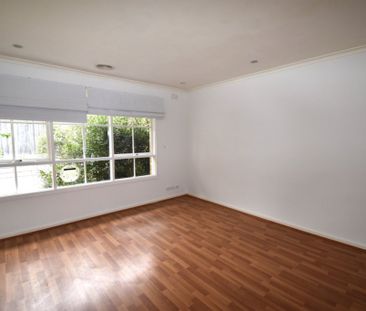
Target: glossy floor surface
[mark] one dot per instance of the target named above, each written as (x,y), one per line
(180,254)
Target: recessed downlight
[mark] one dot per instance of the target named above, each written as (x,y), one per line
(17,46)
(254,61)
(104,67)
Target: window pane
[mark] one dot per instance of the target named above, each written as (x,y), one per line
(30,141)
(6,150)
(97,171)
(68,141)
(130,121)
(70,174)
(122,140)
(96,119)
(97,141)
(122,121)
(7,181)
(34,178)
(142,139)
(142,122)
(123,168)
(143,166)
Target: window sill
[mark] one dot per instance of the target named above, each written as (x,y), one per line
(83,187)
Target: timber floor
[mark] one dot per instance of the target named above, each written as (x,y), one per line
(179,254)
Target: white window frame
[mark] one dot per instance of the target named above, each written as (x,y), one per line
(14,163)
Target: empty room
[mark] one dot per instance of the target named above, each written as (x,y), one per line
(182,155)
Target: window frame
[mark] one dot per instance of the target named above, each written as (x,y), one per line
(134,155)
(53,161)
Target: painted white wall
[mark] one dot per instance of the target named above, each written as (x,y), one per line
(289,145)
(38,211)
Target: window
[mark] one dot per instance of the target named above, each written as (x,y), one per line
(37,156)
(132,141)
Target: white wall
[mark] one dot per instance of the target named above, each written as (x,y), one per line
(288,145)
(39,211)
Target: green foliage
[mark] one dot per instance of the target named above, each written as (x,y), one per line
(142,166)
(123,168)
(142,139)
(97,171)
(122,137)
(5,135)
(97,141)
(127,121)
(46,177)
(95,119)
(69,145)
(68,140)
(42,145)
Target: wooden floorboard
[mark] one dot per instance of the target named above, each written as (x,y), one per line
(179,254)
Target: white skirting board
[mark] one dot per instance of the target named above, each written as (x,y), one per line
(275,220)
(227,205)
(92,215)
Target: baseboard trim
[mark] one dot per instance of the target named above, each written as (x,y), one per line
(221,203)
(284,223)
(88,216)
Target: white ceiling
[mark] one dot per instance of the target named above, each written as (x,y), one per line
(169,41)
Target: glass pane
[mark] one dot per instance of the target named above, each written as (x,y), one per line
(130,121)
(122,121)
(123,168)
(142,122)
(7,181)
(122,140)
(70,174)
(97,171)
(68,141)
(34,178)
(143,166)
(96,119)
(142,139)
(6,150)
(97,141)
(30,141)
